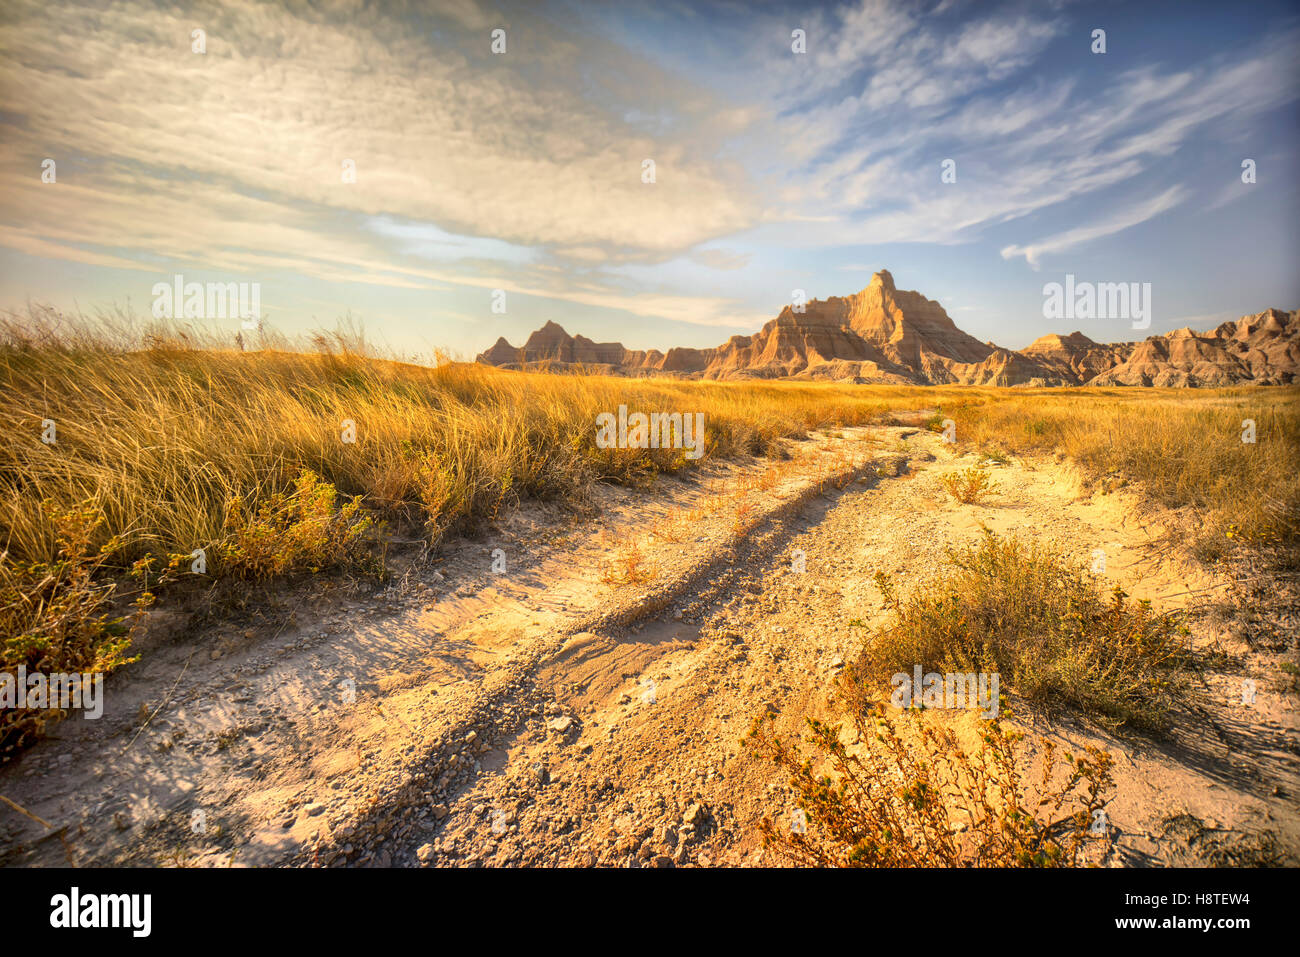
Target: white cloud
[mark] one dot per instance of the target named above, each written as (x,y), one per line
(281,98)
(1125,218)
(721,259)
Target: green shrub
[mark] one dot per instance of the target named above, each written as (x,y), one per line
(297,530)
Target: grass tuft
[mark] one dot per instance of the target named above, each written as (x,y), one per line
(1045,626)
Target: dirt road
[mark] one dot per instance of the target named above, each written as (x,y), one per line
(571,689)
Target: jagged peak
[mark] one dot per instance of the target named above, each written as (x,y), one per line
(885,331)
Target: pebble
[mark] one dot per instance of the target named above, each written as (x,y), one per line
(695,815)
(560,725)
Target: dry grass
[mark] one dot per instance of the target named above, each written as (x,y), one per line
(1044,625)
(162,435)
(1183,447)
(163,441)
(908,794)
(969,486)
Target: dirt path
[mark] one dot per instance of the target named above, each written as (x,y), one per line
(545,714)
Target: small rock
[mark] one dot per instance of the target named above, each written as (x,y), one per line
(560,725)
(696,814)
(425,853)
(440,811)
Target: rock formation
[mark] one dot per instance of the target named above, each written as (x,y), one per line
(887,335)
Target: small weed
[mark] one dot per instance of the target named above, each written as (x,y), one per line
(922,800)
(58,617)
(296,530)
(969,486)
(628,567)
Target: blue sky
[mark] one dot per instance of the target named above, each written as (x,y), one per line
(775,171)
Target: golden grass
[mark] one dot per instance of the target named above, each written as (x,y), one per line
(1021,610)
(1183,447)
(165,441)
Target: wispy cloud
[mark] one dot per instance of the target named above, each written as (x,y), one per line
(1121,220)
(282,97)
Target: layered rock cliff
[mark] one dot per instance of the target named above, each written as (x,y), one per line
(887,335)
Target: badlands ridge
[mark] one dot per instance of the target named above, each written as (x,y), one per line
(887,335)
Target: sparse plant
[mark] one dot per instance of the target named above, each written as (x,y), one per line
(1042,622)
(970,485)
(920,799)
(628,567)
(673,527)
(741,521)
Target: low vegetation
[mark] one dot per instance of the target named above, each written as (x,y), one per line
(58,617)
(302,528)
(165,434)
(970,485)
(1044,625)
(1182,448)
(907,793)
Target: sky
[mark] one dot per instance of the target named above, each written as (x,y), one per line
(523,170)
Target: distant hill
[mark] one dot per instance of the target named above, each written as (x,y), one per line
(887,335)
